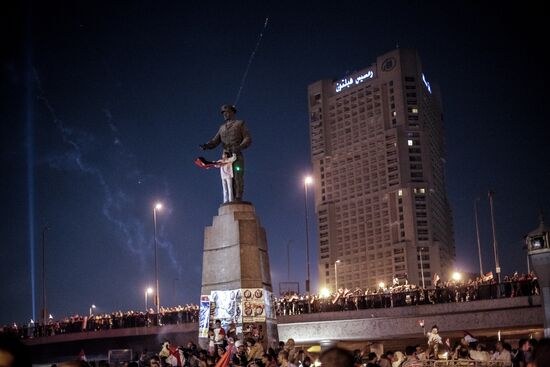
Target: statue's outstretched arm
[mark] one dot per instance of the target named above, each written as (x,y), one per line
(214,142)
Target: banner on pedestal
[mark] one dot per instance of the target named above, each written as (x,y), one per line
(204,317)
(238,306)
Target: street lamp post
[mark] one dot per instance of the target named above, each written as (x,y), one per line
(288,258)
(149,290)
(307,181)
(478,240)
(495,245)
(422,268)
(336,275)
(158,206)
(91,308)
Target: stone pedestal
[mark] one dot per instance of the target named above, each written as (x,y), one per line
(235,273)
(538,249)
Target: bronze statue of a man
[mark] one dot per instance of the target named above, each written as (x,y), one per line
(234,137)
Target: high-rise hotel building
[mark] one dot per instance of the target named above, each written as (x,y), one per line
(378,154)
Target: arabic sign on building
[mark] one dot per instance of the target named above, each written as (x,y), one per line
(348,82)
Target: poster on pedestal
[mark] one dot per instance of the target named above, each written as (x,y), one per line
(254,304)
(204,317)
(226,307)
(246,308)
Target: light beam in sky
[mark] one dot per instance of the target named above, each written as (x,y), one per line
(29,108)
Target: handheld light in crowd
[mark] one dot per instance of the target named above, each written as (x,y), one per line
(381,285)
(456,276)
(325,293)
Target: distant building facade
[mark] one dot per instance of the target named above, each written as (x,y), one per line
(378,155)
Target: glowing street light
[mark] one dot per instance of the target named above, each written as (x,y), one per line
(307,181)
(91,308)
(324,293)
(336,274)
(149,290)
(456,276)
(157,207)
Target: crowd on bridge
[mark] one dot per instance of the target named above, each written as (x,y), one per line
(406,294)
(116,320)
(225,348)
(397,295)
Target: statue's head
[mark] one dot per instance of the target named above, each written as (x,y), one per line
(228,111)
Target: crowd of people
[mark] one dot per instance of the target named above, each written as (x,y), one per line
(408,294)
(225,348)
(115,320)
(344,299)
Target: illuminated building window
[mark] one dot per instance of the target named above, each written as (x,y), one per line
(400,192)
(415,110)
(410,142)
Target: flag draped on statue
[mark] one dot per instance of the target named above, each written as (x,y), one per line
(204,163)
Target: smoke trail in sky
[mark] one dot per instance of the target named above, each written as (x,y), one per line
(116,201)
(250,59)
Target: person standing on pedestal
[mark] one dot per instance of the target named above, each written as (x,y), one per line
(234,137)
(226,172)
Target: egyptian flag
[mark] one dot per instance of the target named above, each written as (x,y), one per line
(225,359)
(203,163)
(174,358)
(469,337)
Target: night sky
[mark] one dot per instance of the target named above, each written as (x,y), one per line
(104,104)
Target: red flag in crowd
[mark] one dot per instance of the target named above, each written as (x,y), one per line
(175,354)
(224,360)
